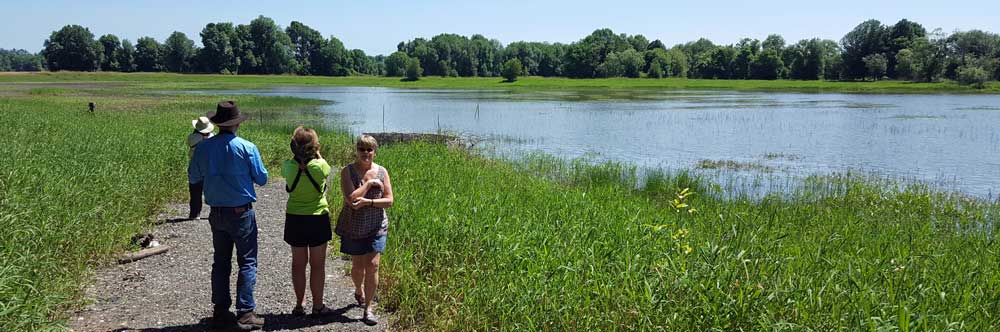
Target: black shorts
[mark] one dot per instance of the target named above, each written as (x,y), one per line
(307,230)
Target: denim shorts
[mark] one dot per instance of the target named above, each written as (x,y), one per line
(362,246)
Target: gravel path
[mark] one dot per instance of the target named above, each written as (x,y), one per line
(171,291)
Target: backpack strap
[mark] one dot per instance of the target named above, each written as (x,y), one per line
(315,185)
(294,183)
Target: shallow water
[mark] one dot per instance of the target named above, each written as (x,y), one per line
(750,141)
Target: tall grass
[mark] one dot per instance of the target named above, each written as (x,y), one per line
(75,186)
(478,244)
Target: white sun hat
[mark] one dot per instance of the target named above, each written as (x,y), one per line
(202,125)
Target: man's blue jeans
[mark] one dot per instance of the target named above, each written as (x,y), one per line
(234,226)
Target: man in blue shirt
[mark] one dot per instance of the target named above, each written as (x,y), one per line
(229,166)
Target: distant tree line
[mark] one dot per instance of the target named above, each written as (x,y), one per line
(871,51)
(19,60)
(260,47)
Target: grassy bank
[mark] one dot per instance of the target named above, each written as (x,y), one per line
(191,81)
(75,186)
(546,245)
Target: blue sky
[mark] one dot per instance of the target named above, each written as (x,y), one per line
(377,26)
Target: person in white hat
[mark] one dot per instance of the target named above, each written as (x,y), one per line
(202,131)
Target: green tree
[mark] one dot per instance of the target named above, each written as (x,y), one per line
(901,36)
(866,39)
(413,69)
(126,61)
(656,44)
(148,55)
(929,58)
(395,64)
(307,44)
(626,63)
(767,66)
(906,66)
(511,70)
(19,60)
(333,59)
(72,48)
(807,59)
(659,63)
(585,56)
(639,42)
(747,50)
(178,50)
(876,65)
(679,65)
(112,49)
(833,61)
(265,48)
(974,76)
(218,54)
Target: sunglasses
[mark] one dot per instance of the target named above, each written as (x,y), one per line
(361,149)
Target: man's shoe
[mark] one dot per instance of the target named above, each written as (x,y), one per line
(250,321)
(222,318)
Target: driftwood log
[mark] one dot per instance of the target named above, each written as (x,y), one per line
(134,256)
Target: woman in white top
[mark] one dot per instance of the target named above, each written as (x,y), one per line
(202,131)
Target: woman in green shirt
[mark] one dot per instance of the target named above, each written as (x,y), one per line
(307,218)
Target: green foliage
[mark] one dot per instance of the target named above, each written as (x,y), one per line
(413,69)
(218,54)
(72,48)
(19,60)
(807,60)
(178,51)
(269,48)
(767,66)
(148,55)
(308,48)
(112,50)
(866,39)
(395,64)
(876,65)
(627,63)
(511,70)
(906,66)
(902,35)
(126,60)
(973,75)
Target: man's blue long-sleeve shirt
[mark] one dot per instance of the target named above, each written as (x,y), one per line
(229,166)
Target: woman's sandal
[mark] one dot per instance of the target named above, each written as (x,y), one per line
(360,299)
(298,311)
(323,311)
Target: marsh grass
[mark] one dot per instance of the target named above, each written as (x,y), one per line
(479,244)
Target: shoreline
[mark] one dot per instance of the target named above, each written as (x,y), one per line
(177,81)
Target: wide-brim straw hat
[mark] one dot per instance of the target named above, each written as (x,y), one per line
(227,114)
(202,125)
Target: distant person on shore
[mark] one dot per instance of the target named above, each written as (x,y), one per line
(307,218)
(367,193)
(229,167)
(202,131)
